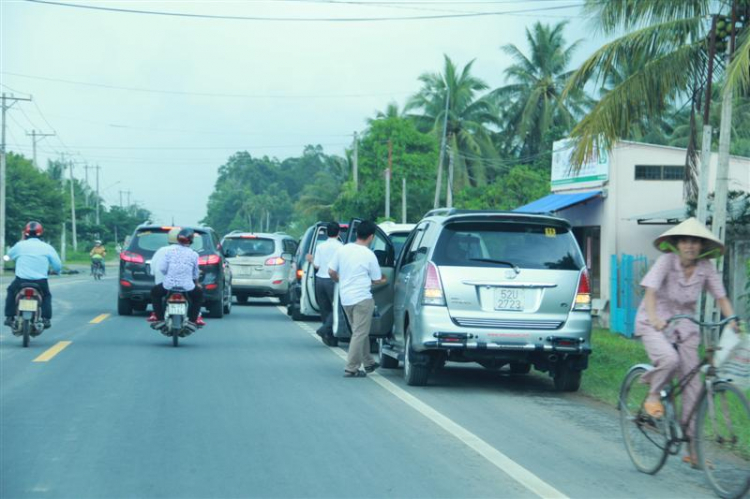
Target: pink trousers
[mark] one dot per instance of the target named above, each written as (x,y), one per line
(670,362)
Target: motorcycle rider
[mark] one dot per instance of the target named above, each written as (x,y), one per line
(33,259)
(180,269)
(97,254)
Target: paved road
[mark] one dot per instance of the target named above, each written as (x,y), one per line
(254,406)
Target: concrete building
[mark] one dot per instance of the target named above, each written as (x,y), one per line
(619,203)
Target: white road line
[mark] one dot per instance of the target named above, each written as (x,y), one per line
(502,462)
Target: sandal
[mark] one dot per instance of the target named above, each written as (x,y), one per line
(356,374)
(693,462)
(370,369)
(654,408)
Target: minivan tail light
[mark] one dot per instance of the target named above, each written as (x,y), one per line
(583,295)
(209,260)
(129,256)
(276,260)
(433,288)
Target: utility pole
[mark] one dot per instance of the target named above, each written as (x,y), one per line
(355,164)
(442,150)
(73,208)
(128,193)
(388,181)
(121,199)
(702,210)
(97,194)
(36,137)
(449,187)
(5,107)
(403,199)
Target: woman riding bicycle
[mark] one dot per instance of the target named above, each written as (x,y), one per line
(97,254)
(674,286)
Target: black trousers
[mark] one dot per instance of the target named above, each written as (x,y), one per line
(324,294)
(194,307)
(15,287)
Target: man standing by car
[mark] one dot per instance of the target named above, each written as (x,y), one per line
(323,283)
(356,269)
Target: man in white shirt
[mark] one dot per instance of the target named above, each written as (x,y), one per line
(324,285)
(356,269)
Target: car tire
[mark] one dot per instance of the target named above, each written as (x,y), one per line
(296,314)
(242,299)
(330,340)
(416,364)
(520,368)
(228,303)
(567,379)
(386,361)
(140,306)
(124,306)
(284,299)
(216,309)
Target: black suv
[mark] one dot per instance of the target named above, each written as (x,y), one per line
(136,280)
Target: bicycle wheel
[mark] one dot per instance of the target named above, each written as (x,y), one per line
(723,439)
(646,439)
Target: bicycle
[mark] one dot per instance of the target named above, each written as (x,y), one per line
(722,434)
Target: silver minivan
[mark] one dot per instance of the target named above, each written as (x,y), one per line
(496,288)
(260,263)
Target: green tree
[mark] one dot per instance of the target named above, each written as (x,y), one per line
(533,103)
(520,185)
(469,118)
(414,155)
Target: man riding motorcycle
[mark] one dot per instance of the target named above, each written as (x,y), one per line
(33,259)
(97,254)
(180,268)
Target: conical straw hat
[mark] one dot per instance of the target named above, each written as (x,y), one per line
(712,246)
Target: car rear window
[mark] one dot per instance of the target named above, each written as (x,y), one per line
(150,240)
(398,239)
(465,244)
(238,246)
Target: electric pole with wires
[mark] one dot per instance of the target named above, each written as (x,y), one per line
(35,138)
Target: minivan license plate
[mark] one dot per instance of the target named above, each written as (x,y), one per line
(176,309)
(509,298)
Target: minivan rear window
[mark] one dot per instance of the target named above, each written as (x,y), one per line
(237,246)
(150,240)
(467,244)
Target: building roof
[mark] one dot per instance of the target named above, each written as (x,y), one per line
(556,202)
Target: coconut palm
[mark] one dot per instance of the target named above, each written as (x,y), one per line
(532,101)
(468,135)
(672,38)
(391,111)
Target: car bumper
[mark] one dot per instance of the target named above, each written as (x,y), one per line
(434,329)
(264,287)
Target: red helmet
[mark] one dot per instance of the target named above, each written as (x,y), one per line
(33,229)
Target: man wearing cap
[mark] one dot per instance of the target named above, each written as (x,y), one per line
(673,286)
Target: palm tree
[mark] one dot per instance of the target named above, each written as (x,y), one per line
(391,111)
(468,117)
(673,39)
(532,103)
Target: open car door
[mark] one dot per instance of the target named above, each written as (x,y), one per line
(308,300)
(382,294)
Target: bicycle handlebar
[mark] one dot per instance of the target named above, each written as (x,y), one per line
(692,319)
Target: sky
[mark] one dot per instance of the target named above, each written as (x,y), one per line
(160,102)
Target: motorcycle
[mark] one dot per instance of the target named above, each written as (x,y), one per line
(175,316)
(27,321)
(97,267)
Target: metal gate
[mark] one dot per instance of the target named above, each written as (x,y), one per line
(626,292)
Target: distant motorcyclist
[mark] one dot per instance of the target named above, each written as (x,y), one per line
(97,254)
(180,269)
(33,259)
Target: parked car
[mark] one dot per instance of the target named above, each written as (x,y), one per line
(397,233)
(136,281)
(260,264)
(301,302)
(495,288)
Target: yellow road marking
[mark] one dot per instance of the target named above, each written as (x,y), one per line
(98,319)
(50,354)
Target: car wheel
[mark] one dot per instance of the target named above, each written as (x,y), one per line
(296,314)
(216,309)
(567,379)
(416,364)
(284,299)
(140,306)
(242,299)
(386,361)
(330,340)
(124,306)
(520,368)
(228,300)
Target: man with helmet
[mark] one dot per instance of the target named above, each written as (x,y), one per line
(97,254)
(179,265)
(33,259)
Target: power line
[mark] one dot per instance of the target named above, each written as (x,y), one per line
(304,19)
